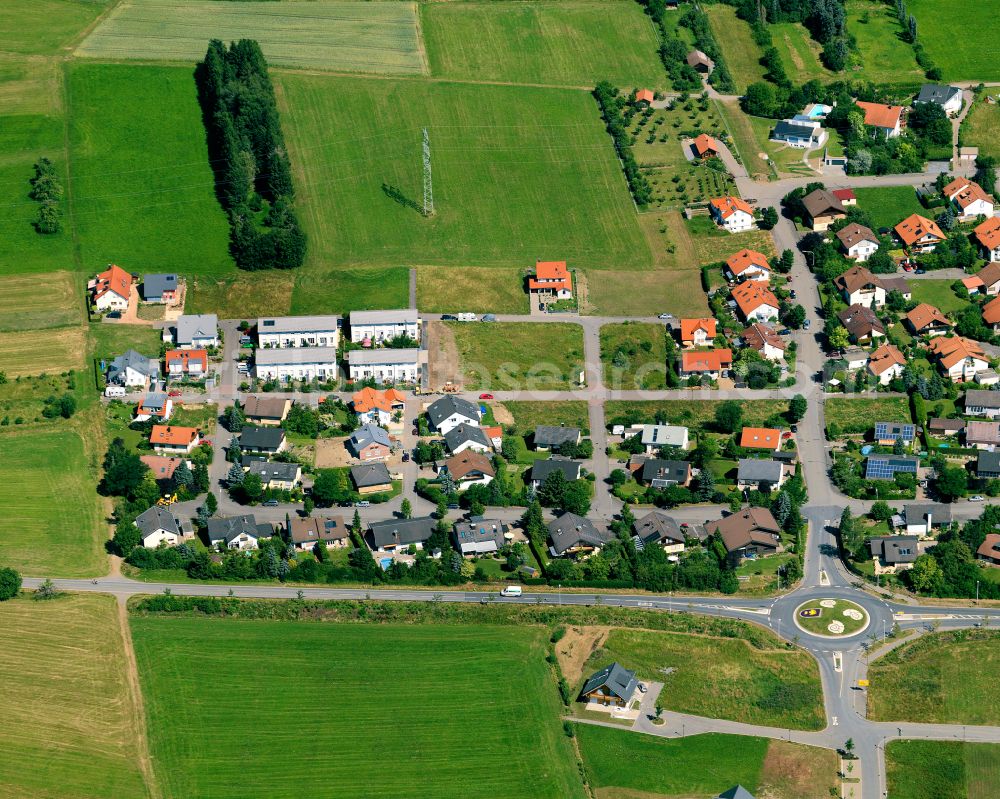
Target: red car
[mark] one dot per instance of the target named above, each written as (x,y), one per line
(174,394)
(485,396)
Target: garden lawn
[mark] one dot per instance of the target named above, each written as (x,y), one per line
(109,341)
(889,205)
(44,26)
(142,187)
(518,355)
(528,415)
(774,687)
(634,356)
(982,128)
(860,415)
(576,43)
(645,293)
(338,36)
(959,37)
(24,307)
(885,57)
(744,140)
(449,289)
(741,52)
(699,414)
(35,352)
(623,764)
(53,518)
(939,675)
(215,738)
(519,173)
(69,725)
(250,294)
(933,769)
(939,294)
(800,52)
(713,244)
(785,159)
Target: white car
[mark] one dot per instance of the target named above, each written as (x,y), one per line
(976,498)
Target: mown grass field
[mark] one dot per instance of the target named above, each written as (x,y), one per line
(959,37)
(889,205)
(337,35)
(528,415)
(33,302)
(645,293)
(744,140)
(641,351)
(981,128)
(621,765)
(740,50)
(69,724)
(939,294)
(108,341)
(713,244)
(359,730)
(776,688)
(576,43)
(932,769)
(940,675)
(694,413)
(44,26)
(447,289)
(519,174)
(799,52)
(53,520)
(142,187)
(36,352)
(343,290)
(860,415)
(518,355)
(884,56)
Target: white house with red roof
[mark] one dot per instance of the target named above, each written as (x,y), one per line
(969,198)
(755,301)
(748,265)
(111,289)
(886,119)
(732,213)
(706,363)
(552,281)
(987,235)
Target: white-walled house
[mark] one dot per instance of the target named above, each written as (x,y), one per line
(755,301)
(296,363)
(860,287)
(886,364)
(194,331)
(987,235)
(969,198)
(858,242)
(732,213)
(385,365)
(158,526)
(298,331)
(379,326)
(448,413)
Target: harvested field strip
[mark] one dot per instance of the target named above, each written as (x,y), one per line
(24,305)
(38,352)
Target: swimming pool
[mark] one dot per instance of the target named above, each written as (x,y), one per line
(385,563)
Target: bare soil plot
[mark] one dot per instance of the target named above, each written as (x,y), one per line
(575,649)
(331,453)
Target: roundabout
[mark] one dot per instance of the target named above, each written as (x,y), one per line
(831,618)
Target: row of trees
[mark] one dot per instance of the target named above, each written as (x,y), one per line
(47,191)
(611,103)
(247,150)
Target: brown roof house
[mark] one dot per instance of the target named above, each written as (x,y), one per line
(699,61)
(765,340)
(469,468)
(822,209)
(886,364)
(748,534)
(982,435)
(859,243)
(268,411)
(926,320)
(860,287)
(862,323)
(329,530)
(989,550)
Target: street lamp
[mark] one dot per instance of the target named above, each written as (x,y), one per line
(977,592)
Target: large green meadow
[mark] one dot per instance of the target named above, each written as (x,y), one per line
(935,769)
(960,37)
(574,43)
(249,709)
(518,174)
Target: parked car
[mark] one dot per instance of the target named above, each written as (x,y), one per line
(919,271)
(270,503)
(489,317)
(364,503)
(976,498)
(174,393)
(785,332)
(807,324)
(345,504)
(114,315)
(406,457)
(795,428)
(666,316)
(485,396)
(452,506)
(449,317)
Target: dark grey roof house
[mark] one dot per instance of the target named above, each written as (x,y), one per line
(275,471)
(981,402)
(939,95)
(238,532)
(765,474)
(466,436)
(479,534)
(157,518)
(391,533)
(988,464)
(154,286)
(926,515)
(452,408)
(571,534)
(542,469)
(736,792)
(554,436)
(894,549)
(611,685)
(662,473)
(657,527)
(371,475)
(262,439)
(132,361)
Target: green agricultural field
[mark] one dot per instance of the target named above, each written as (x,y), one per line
(519,174)
(772,687)
(939,294)
(518,355)
(959,37)
(933,769)
(736,40)
(634,356)
(889,205)
(23,306)
(24,399)
(982,128)
(338,36)
(53,519)
(621,763)
(36,352)
(445,289)
(249,294)
(215,738)
(691,413)
(942,671)
(142,186)
(884,56)
(344,290)
(44,26)
(800,52)
(860,415)
(576,43)
(528,415)
(69,723)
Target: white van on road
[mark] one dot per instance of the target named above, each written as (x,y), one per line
(512,590)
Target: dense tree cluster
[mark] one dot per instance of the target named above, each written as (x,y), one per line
(47,191)
(612,103)
(696,20)
(247,149)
